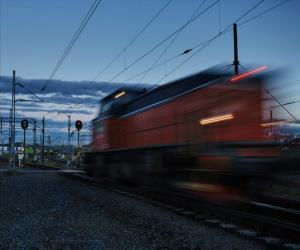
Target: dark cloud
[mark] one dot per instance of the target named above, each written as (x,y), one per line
(60,87)
(59,98)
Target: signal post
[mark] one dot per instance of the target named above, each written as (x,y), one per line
(78,125)
(24,125)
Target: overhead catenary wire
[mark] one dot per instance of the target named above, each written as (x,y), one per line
(219,16)
(264,12)
(171,42)
(154,67)
(73,41)
(163,41)
(202,45)
(276,99)
(228,29)
(131,42)
(285,85)
(273,7)
(281,104)
(75,37)
(31,92)
(147,25)
(216,36)
(68,48)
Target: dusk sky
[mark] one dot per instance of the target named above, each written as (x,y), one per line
(35,34)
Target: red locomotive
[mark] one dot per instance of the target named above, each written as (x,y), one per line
(180,133)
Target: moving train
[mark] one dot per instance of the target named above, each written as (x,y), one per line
(204,132)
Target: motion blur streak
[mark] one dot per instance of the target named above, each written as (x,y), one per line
(215,119)
(249,73)
(269,124)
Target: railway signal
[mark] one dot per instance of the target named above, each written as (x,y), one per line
(24,125)
(78,126)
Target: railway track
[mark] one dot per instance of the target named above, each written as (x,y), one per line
(273,224)
(270,222)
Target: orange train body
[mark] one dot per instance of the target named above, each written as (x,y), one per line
(178,121)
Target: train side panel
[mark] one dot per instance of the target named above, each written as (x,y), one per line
(179,121)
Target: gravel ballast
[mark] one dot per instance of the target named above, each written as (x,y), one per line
(45,210)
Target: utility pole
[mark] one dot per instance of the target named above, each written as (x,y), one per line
(49,144)
(43,139)
(1,134)
(34,137)
(24,125)
(78,139)
(69,129)
(10,137)
(13,134)
(271,121)
(24,145)
(236,62)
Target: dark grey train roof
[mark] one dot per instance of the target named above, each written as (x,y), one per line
(168,91)
(137,88)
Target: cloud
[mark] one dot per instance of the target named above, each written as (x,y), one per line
(76,98)
(60,87)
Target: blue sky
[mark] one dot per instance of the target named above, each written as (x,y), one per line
(35,33)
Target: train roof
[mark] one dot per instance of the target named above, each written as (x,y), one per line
(136,88)
(169,90)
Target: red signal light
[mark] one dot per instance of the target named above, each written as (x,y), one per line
(78,124)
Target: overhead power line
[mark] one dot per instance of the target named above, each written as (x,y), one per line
(163,41)
(264,12)
(73,41)
(181,28)
(133,39)
(31,92)
(276,100)
(147,25)
(206,43)
(285,85)
(171,42)
(202,46)
(227,30)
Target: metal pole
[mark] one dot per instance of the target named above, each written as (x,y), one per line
(14,119)
(49,142)
(69,129)
(236,56)
(271,121)
(1,135)
(43,140)
(34,137)
(24,144)
(10,137)
(78,139)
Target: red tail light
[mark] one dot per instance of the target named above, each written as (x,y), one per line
(246,74)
